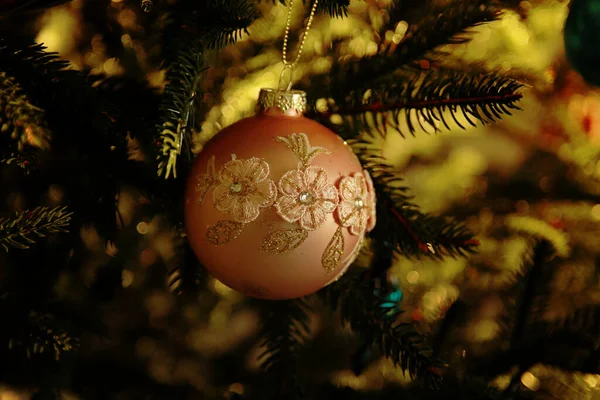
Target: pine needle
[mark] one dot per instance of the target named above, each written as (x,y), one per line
(178,108)
(22,125)
(43,336)
(20,230)
(426,100)
(285,326)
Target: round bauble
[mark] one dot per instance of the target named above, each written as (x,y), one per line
(581,33)
(277,205)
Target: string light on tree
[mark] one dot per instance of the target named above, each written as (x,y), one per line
(277,205)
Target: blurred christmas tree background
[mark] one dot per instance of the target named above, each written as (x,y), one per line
(535,174)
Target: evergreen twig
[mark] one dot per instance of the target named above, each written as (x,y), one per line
(358,305)
(448,26)
(20,230)
(426,99)
(22,122)
(178,108)
(400,221)
(43,335)
(186,275)
(82,125)
(234,18)
(285,326)
(529,285)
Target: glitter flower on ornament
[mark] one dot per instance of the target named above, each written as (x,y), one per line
(356,208)
(305,196)
(243,188)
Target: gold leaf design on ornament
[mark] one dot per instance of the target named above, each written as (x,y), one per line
(283,240)
(300,146)
(348,261)
(205,181)
(223,232)
(333,252)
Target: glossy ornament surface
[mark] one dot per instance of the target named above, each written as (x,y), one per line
(277,205)
(581,32)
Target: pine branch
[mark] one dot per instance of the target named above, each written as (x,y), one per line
(285,325)
(585,321)
(82,124)
(563,349)
(400,222)
(23,127)
(21,230)
(451,389)
(178,108)
(187,275)
(426,100)
(358,303)
(451,25)
(43,335)
(136,103)
(210,24)
(529,285)
(223,22)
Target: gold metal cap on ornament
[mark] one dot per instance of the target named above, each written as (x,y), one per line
(286,102)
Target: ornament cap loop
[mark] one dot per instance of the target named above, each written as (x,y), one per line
(282,102)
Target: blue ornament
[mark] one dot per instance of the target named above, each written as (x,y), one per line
(390,300)
(581,35)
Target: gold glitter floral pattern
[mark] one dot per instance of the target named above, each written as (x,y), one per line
(207,180)
(306,196)
(223,232)
(243,189)
(283,240)
(355,207)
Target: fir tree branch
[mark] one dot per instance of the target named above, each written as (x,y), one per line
(400,221)
(178,108)
(429,98)
(531,280)
(451,389)
(21,230)
(285,325)
(83,128)
(450,25)
(136,103)
(22,122)
(355,298)
(209,24)
(43,335)
(220,23)
(186,276)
